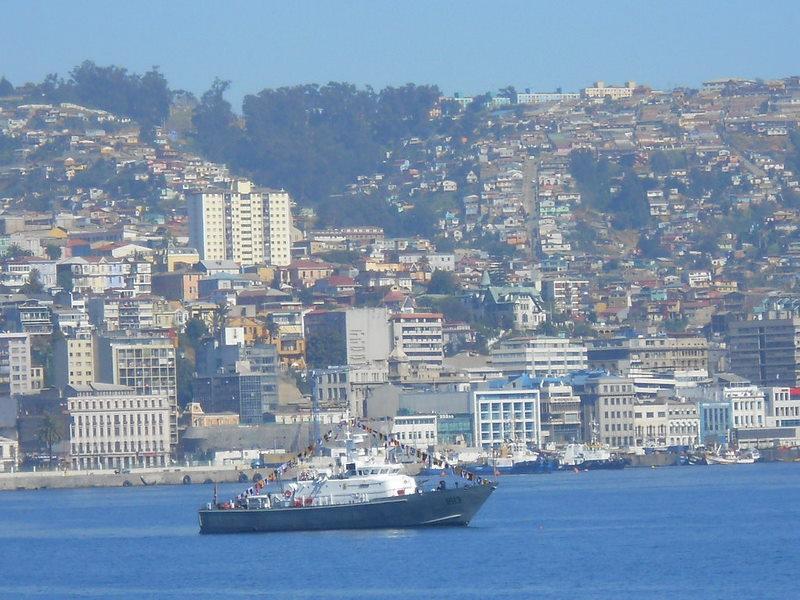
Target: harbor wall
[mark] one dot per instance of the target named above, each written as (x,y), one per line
(89,479)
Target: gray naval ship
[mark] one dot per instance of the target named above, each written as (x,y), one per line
(367,494)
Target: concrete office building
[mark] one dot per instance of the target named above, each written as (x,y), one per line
(368,335)
(766,350)
(507,413)
(418,431)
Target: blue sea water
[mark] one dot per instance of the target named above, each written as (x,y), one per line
(679,532)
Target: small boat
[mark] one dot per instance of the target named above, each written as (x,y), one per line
(589,457)
(732,457)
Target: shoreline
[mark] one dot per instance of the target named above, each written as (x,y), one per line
(43,480)
(135,478)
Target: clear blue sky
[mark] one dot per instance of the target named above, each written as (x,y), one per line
(465,45)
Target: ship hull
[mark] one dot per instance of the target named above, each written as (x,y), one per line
(451,507)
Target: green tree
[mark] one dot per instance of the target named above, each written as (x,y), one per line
(6,89)
(196,330)
(444,282)
(48,435)
(17,251)
(52,251)
(325,346)
(64,279)
(33,285)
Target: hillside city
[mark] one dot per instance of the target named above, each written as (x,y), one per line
(616,264)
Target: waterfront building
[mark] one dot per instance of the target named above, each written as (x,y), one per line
(538,356)
(9,455)
(561,411)
(683,427)
(15,364)
(782,406)
(240,379)
(650,424)
(418,431)
(250,395)
(115,427)
(247,225)
(194,416)
(716,422)
(607,403)
(507,412)
(746,400)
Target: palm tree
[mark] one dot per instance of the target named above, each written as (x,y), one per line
(220,317)
(49,435)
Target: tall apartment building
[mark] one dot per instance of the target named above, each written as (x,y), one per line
(15,364)
(73,359)
(114,427)
(766,350)
(419,337)
(242,224)
(143,362)
(277,228)
(538,356)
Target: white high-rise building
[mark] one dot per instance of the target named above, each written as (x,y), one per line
(277,228)
(15,363)
(242,224)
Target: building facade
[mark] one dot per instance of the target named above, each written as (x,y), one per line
(15,363)
(115,427)
(73,359)
(419,337)
(506,414)
(538,356)
(247,225)
(143,362)
(766,350)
